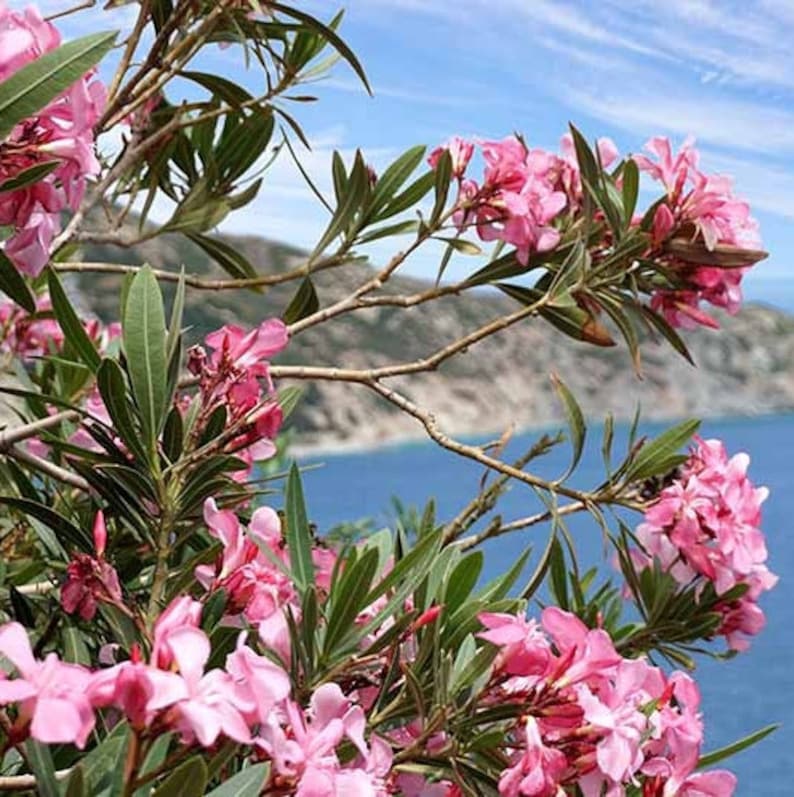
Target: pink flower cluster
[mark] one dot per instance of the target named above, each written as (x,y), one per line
(61,132)
(232,376)
(257,584)
(248,701)
(591,717)
(522,191)
(705,528)
(25,335)
(703,207)
(28,335)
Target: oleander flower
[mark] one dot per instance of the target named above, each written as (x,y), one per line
(61,133)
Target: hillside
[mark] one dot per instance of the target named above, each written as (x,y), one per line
(746,369)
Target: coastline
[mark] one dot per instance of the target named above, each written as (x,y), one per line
(328,446)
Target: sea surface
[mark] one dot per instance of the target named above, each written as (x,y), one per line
(739,696)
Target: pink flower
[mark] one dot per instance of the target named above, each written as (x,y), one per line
(91,580)
(706,525)
(584,652)
(182,612)
(460,152)
(61,132)
(52,695)
(518,199)
(246,350)
(307,752)
(524,647)
(259,681)
(204,705)
(697,206)
(231,377)
(537,771)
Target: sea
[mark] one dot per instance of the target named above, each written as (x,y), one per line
(739,696)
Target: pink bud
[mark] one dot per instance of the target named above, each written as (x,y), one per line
(100,534)
(427,617)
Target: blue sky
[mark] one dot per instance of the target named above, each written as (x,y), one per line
(722,71)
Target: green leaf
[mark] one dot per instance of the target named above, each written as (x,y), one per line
(247,783)
(13,285)
(631,189)
(588,166)
(298,534)
(461,245)
(572,321)
(347,597)
(100,764)
(399,228)
(288,398)
(462,581)
(409,197)
(40,760)
(576,424)
(227,257)
(154,758)
(339,174)
(21,608)
(70,323)
(714,757)
(177,311)
(654,457)
(329,35)
(225,89)
(355,193)
(64,528)
(113,389)
(29,176)
(393,179)
(75,786)
(672,337)
(35,85)
(144,337)
(442,181)
(187,780)
(303,303)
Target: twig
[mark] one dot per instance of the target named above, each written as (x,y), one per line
(26,782)
(191,280)
(17,434)
(47,468)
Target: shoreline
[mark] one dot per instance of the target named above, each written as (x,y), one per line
(333,448)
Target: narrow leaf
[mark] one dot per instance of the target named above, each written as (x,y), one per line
(298,534)
(248,783)
(70,323)
(13,285)
(187,780)
(36,84)
(144,337)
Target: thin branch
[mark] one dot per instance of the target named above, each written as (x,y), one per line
(18,433)
(26,782)
(497,528)
(73,10)
(47,468)
(193,280)
(427,419)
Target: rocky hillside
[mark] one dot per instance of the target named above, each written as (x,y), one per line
(747,368)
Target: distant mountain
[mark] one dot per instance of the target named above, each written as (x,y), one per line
(747,368)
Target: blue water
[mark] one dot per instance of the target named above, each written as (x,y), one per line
(739,696)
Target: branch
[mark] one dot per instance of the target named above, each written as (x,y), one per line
(191,280)
(26,782)
(497,528)
(18,433)
(48,468)
(471,452)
